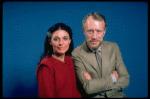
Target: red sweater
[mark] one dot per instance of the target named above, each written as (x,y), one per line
(57,79)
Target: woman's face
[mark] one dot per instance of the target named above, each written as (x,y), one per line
(60,42)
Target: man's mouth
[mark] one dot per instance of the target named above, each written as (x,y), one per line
(94,41)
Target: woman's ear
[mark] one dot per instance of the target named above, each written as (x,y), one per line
(69,41)
(50,42)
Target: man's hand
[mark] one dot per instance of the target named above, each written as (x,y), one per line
(115,74)
(87,76)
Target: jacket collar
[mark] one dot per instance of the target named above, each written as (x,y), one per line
(90,57)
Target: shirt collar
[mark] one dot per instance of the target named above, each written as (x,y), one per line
(100,48)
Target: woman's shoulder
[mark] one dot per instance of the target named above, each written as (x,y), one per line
(46,61)
(44,65)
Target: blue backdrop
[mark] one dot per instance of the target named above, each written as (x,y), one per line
(24,29)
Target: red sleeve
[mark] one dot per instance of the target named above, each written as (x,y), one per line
(46,82)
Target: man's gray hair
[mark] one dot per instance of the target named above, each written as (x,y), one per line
(96,16)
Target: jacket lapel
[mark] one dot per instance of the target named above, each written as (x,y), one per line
(90,58)
(105,59)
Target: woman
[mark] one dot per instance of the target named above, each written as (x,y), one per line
(55,73)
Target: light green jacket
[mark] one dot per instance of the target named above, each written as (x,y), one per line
(85,61)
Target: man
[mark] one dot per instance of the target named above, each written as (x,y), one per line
(98,64)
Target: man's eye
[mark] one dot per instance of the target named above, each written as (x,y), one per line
(90,31)
(99,31)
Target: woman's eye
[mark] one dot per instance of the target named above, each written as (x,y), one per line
(66,38)
(56,39)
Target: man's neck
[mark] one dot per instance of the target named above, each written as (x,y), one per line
(91,49)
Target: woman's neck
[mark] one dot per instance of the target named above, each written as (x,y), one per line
(59,56)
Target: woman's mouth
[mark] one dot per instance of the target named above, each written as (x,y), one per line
(60,48)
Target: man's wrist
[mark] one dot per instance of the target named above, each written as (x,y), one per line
(113,78)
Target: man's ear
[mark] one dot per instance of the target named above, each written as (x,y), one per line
(83,30)
(104,32)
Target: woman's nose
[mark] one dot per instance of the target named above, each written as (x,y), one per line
(61,42)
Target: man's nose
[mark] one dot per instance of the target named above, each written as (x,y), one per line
(94,36)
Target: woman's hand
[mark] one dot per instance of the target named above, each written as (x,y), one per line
(87,76)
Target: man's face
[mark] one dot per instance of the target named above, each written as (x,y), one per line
(94,31)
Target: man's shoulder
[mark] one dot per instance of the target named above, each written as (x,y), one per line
(110,46)
(108,43)
(77,49)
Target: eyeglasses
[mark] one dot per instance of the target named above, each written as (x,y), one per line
(99,32)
